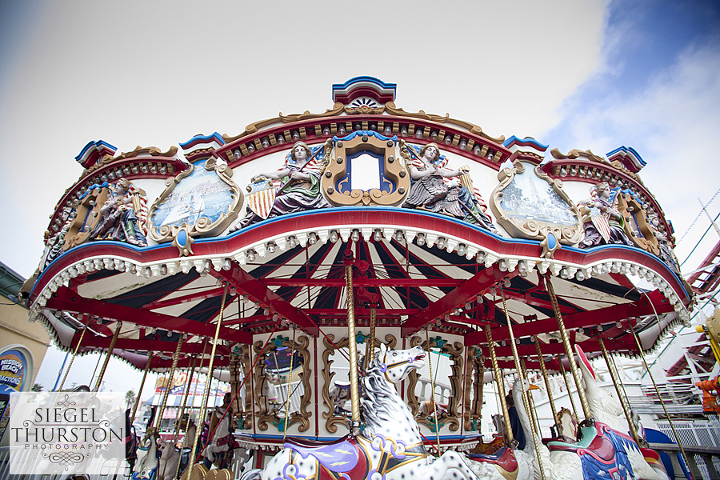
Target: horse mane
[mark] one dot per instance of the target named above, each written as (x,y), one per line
(378,397)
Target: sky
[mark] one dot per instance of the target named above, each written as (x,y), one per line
(574,74)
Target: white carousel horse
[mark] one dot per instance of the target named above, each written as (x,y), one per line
(222,439)
(147,462)
(389,447)
(169,459)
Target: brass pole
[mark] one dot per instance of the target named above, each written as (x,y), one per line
(355,399)
(432,388)
(370,352)
(568,350)
(657,391)
(107,357)
(543,370)
(287,394)
(501,387)
(77,347)
(187,424)
(567,386)
(142,385)
(198,431)
(171,375)
(621,397)
(181,411)
(521,375)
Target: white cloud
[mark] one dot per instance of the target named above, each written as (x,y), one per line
(673,124)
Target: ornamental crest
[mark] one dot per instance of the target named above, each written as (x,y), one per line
(530,204)
(363,169)
(202,201)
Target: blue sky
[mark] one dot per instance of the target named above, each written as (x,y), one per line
(585,74)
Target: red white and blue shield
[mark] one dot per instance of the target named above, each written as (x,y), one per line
(261,197)
(601,223)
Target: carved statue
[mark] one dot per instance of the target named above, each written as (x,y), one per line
(441,190)
(665,252)
(296,186)
(602,221)
(122,216)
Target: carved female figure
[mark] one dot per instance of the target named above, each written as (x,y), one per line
(602,220)
(122,215)
(297,185)
(440,190)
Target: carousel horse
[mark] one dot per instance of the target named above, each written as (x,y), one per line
(219,449)
(389,447)
(169,459)
(147,461)
(602,451)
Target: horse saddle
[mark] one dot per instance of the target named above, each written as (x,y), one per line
(503,458)
(337,456)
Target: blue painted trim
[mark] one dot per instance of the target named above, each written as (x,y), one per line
(363,78)
(370,133)
(206,138)
(93,187)
(630,150)
(525,141)
(439,216)
(98,144)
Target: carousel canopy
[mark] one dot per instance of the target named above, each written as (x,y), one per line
(444,227)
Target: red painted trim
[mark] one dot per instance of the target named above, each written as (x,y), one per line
(67,300)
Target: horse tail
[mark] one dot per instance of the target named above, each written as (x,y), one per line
(251,474)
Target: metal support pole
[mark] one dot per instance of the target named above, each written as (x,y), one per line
(168,386)
(521,378)
(501,387)
(567,386)
(568,350)
(543,370)
(621,397)
(77,347)
(355,398)
(142,385)
(107,357)
(198,431)
(432,389)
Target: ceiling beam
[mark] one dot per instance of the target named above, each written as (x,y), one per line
(148,345)
(467,290)
(67,300)
(573,321)
(245,282)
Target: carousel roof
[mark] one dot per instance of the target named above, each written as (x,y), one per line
(415,268)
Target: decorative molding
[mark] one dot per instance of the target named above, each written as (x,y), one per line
(263,414)
(551,231)
(182,234)
(333,420)
(451,418)
(394,178)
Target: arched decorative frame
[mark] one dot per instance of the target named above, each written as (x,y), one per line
(395,182)
(451,418)
(333,420)
(87,216)
(632,210)
(204,226)
(550,232)
(474,372)
(263,415)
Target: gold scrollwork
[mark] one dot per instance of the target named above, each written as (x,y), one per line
(337,169)
(451,417)
(264,414)
(519,226)
(330,349)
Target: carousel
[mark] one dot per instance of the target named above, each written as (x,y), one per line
(357,276)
